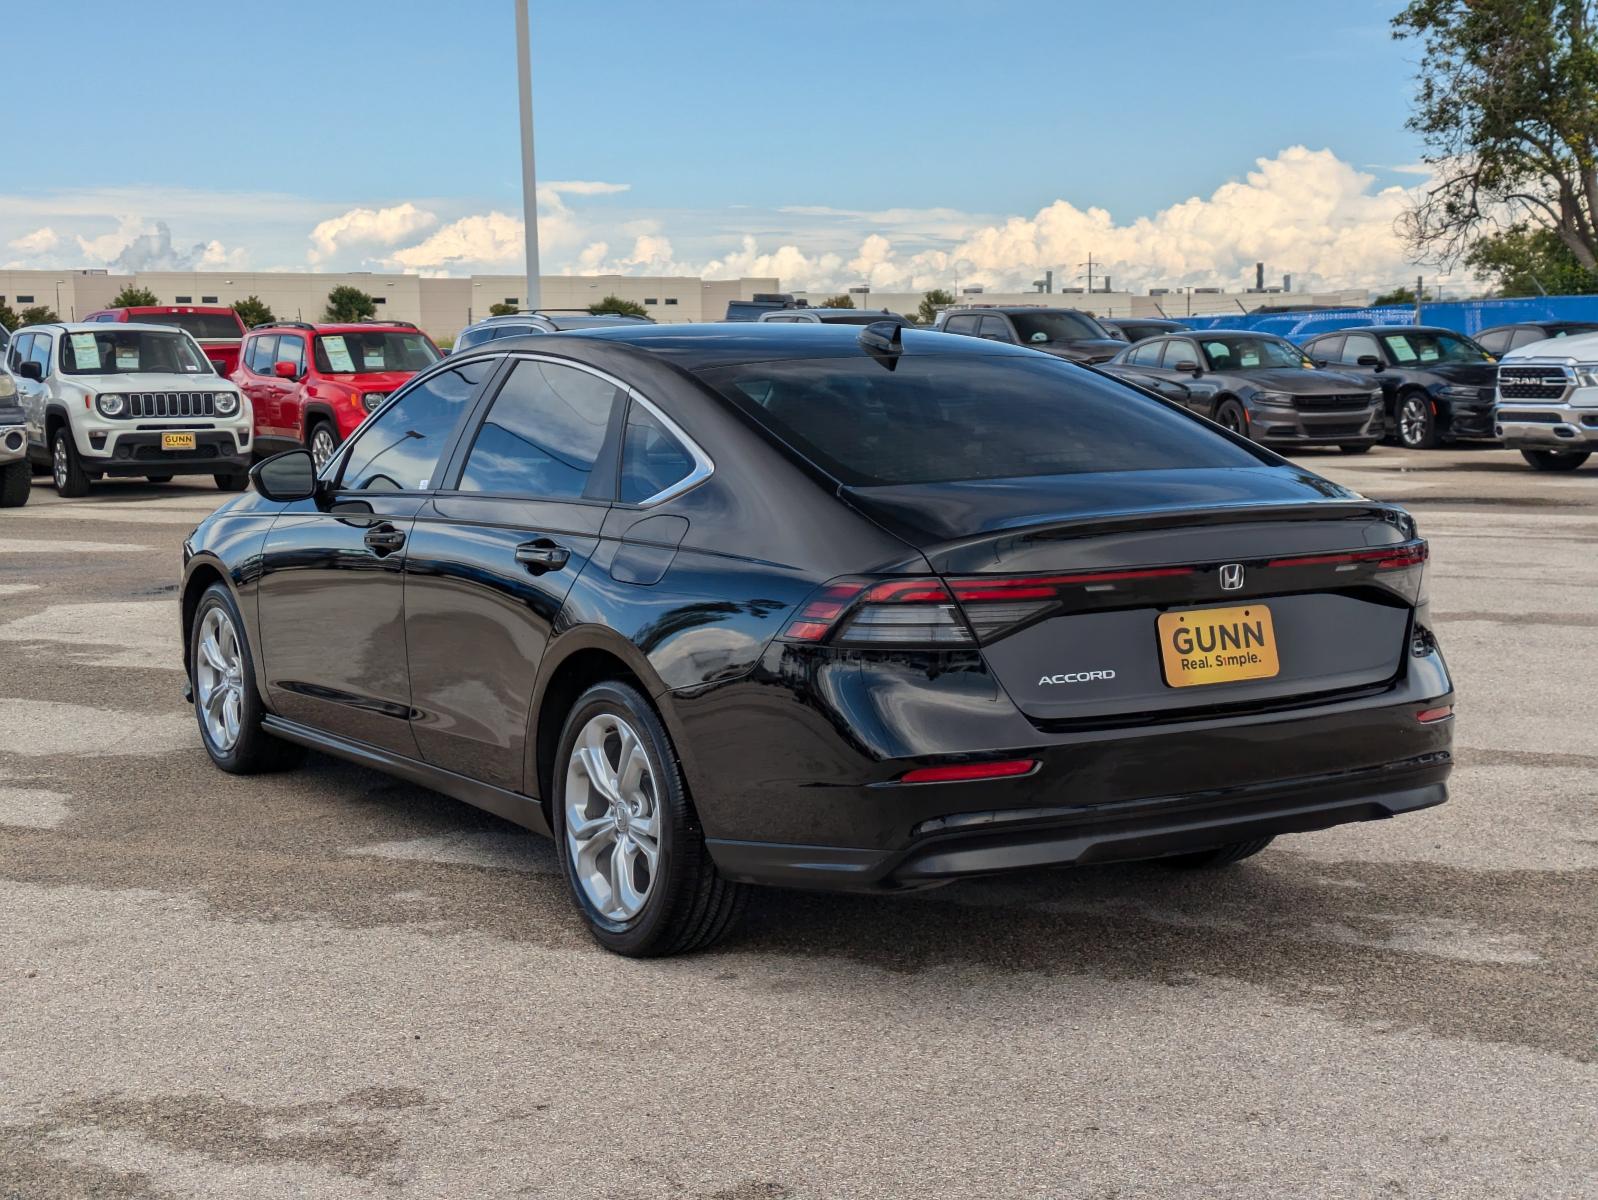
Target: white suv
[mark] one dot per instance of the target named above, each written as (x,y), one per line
(1548,401)
(127,400)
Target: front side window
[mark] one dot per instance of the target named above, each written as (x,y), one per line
(994,329)
(1252,353)
(398,450)
(961,324)
(1498,341)
(1358,346)
(1041,328)
(291,349)
(364,353)
(40,352)
(543,433)
(1423,349)
(122,351)
(1178,352)
(965,417)
(652,460)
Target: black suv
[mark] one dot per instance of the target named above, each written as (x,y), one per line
(545,320)
(1064,332)
(825,607)
(1437,385)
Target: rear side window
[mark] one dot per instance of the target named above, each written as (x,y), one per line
(960,324)
(652,460)
(262,352)
(398,449)
(543,433)
(938,418)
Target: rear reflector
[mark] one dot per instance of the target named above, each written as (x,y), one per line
(1430,716)
(968,772)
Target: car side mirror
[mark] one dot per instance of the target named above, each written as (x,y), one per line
(287,476)
(1189,366)
(1368,360)
(285,370)
(31,370)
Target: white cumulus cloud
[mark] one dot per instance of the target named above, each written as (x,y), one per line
(37,242)
(486,239)
(368,226)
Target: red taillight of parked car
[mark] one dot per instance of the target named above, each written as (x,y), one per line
(971,772)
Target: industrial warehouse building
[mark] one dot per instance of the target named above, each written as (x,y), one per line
(445,306)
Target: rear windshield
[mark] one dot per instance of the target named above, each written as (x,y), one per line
(201,325)
(363,353)
(938,418)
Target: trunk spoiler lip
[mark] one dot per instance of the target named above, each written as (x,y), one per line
(1125,520)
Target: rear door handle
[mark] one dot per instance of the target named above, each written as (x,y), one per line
(384,539)
(542,555)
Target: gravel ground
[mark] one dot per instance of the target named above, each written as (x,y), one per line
(332,984)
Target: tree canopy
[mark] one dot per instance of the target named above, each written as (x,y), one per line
(347,303)
(500,309)
(134,297)
(1530,261)
(1507,105)
(841,300)
(618,306)
(931,302)
(253,311)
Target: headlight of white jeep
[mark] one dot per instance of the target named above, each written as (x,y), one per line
(227,403)
(110,404)
(8,386)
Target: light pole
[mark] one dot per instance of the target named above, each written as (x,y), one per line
(524,81)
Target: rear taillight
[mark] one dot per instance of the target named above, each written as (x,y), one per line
(1388,558)
(894,612)
(1008,768)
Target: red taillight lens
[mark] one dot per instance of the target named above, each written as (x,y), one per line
(888,613)
(969,772)
(1388,558)
(1430,716)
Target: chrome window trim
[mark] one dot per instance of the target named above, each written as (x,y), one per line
(703,468)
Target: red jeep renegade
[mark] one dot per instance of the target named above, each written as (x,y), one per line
(218,330)
(312,385)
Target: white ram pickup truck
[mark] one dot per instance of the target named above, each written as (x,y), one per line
(1547,402)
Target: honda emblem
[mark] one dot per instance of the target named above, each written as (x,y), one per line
(1231,577)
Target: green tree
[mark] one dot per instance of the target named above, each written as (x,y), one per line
(1507,105)
(133,297)
(1529,261)
(253,311)
(501,309)
(8,317)
(39,314)
(841,300)
(1399,295)
(347,303)
(622,308)
(931,302)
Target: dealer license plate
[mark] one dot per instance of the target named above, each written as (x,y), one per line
(1217,645)
(177,441)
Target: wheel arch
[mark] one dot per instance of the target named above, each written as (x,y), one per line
(311,413)
(203,570)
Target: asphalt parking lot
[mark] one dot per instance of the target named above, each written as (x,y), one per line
(332,984)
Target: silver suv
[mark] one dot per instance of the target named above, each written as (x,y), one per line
(127,400)
(1547,402)
(546,320)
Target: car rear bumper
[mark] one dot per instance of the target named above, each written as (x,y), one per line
(1547,427)
(140,453)
(996,841)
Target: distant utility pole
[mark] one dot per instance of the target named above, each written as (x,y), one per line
(524,80)
(1089,266)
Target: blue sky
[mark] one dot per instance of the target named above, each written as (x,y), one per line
(809,126)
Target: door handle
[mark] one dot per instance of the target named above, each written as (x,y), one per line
(384,539)
(542,555)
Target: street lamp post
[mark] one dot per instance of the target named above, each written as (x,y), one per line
(524,80)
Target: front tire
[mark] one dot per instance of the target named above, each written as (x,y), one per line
(16,481)
(66,469)
(226,702)
(1417,422)
(322,442)
(1230,415)
(1362,448)
(1218,856)
(1555,460)
(630,843)
(158,479)
(231,482)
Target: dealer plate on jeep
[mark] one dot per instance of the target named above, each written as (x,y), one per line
(1217,645)
(177,441)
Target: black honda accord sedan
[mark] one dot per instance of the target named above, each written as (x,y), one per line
(820,606)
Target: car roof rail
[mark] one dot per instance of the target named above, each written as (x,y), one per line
(282,325)
(386,321)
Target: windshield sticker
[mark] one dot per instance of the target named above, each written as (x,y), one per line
(1401,349)
(86,351)
(373,353)
(128,357)
(338,355)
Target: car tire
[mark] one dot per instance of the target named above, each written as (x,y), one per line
(66,469)
(1555,460)
(158,479)
(617,774)
(1229,414)
(1362,448)
(16,482)
(1217,856)
(231,482)
(322,441)
(227,704)
(1417,422)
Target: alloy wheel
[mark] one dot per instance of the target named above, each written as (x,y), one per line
(59,463)
(219,679)
(1412,419)
(612,818)
(322,447)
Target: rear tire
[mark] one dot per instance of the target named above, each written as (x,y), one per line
(1555,460)
(66,469)
(1218,856)
(223,678)
(630,806)
(16,481)
(158,479)
(231,483)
